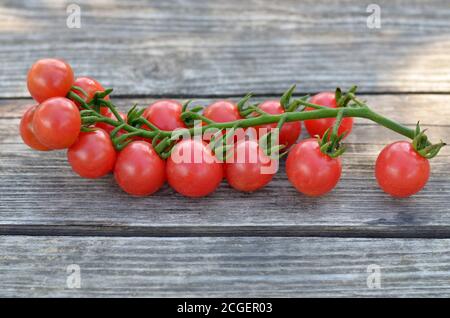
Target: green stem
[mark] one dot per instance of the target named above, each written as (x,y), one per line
(361,112)
(113,109)
(252,116)
(389,123)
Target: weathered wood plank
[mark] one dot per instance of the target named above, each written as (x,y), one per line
(214,47)
(39,189)
(223,267)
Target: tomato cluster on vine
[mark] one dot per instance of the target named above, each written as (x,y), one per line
(313,165)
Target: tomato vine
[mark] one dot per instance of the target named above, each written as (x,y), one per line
(78,115)
(348,106)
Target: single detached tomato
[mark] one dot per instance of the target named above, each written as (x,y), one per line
(318,127)
(250,168)
(139,170)
(192,169)
(400,170)
(92,155)
(165,114)
(310,171)
(108,128)
(222,111)
(26,130)
(289,131)
(90,86)
(49,78)
(57,123)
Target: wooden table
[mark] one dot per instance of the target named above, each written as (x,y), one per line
(274,242)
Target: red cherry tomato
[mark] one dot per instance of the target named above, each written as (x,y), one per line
(222,111)
(108,128)
(90,86)
(310,171)
(318,127)
(49,78)
(26,130)
(400,170)
(139,170)
(92,155)
(164,114)
(289,131)
(251,169)
(193,170)
(57,123)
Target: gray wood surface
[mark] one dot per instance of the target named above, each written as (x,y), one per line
(39,189)
(223,267)
(274,242)
(205,47)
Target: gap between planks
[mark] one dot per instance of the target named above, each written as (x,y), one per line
(411,232)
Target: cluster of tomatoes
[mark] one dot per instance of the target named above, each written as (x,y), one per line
(55,123)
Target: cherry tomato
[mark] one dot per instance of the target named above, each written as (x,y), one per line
(317,127)
(26,130)
(92,155)
(193,170)
(251,169)
(400,170)
(49,78)
(90,86)
(108,128)
(310,171)
(139,170)
(289,131)
(57,123)
(164,114)
(222,111)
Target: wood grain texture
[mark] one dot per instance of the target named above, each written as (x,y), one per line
(39,190)
(193,47)
(223,267)
(269,243)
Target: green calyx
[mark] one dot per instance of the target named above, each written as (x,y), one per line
(342,99)
(423,146)
(330,143)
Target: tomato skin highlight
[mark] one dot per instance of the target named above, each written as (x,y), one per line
(57,123)
(164,114)
(193,179)
(222,111)
(139,170)
(92,155)
(90,86)
(26,130)
(289,132)
(310,171)
(244,174)
(318,127)
(49,78)
(400,170)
